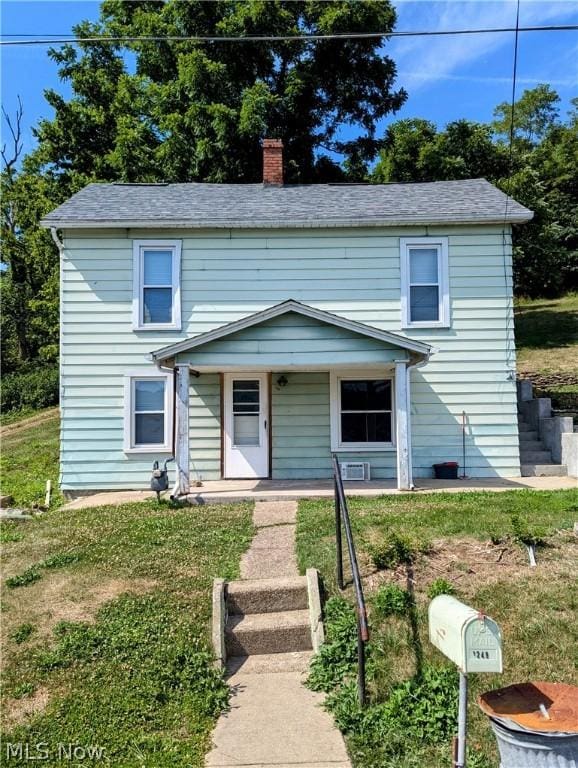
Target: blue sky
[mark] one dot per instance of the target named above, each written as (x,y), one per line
(446,78)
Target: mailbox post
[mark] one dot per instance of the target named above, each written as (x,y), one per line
(473,642)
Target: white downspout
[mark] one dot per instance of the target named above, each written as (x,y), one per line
(60,245)
(409,366)
(182,456)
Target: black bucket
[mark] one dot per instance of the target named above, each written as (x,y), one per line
(446,471)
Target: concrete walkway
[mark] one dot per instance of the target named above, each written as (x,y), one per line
(230,491)
(274,721)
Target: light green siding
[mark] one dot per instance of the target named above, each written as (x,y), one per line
(292,340)
(301,435)
(228,275)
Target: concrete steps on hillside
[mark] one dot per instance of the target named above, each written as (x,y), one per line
(535,459)
(257,619)
(267,595)
(264,633)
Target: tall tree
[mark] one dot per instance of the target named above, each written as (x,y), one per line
(416,151)
(196,111)
(535,112)
(540,174)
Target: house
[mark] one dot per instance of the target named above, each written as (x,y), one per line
(253,329)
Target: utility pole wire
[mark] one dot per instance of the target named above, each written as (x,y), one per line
(274,38)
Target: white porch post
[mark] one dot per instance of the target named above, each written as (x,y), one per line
(404,478)
(182,428)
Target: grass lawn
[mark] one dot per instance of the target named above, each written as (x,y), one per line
(466,539)
(547,346)
(29,458)
(105,616)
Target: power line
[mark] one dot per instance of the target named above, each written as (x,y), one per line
(44,40)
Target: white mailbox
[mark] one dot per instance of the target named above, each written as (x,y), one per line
(469,638)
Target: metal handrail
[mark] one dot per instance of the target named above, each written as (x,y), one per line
(342,517)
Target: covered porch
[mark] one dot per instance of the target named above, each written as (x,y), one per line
(272,396)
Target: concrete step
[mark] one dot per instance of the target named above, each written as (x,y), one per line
(535,457)
(528,435)
(270,663)
(531,445)
(259,633)
(267,595)
(543,470)
(523,427)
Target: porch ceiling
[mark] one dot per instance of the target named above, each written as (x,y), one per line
(293,335)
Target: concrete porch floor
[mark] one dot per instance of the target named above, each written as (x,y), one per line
(229,491)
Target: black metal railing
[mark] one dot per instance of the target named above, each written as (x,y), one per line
(342,519)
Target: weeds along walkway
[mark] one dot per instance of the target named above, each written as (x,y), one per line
(274,720)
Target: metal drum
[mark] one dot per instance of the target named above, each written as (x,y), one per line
(535,724)
(527,749)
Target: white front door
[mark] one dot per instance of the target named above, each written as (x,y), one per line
(246,428)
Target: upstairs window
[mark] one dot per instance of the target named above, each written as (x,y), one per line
(424,282)
(156,290)
(148,412)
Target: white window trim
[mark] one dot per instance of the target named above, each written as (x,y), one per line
(335,408)
(441,243)
(138,246)
(129,445)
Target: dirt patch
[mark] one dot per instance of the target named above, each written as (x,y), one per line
(17,711)
(18,426)
(469,564)
(64,597)
(62,607)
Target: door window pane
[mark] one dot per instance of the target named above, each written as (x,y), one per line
(423,265)
(158,267)
(158,305)
(149,428)
(246,396)
(245,429)
(424,302)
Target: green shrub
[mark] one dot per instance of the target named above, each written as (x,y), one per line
(30,388)
(22,690)
(440,587)
(9,534)
(60,560)
(29,576)
(422,710)
(525,535)
(396,550)
(337,657)
(426,706)
(22,632)
(391,600)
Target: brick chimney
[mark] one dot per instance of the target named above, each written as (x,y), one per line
(273,162)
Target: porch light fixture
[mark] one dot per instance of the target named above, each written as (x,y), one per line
(282,381)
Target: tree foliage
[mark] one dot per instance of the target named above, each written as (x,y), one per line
(182,111)
(185,110)
(197,111)
(539,172)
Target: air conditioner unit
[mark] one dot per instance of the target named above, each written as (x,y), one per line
(355,470)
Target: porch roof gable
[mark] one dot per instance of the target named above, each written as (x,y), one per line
(418,348)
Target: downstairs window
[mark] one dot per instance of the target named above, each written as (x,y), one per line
(148,412)
(362,415)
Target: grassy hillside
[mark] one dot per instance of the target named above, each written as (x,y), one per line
(547,344)
(30,453)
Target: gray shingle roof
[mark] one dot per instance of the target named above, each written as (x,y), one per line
(316,205)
